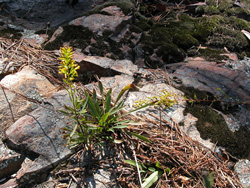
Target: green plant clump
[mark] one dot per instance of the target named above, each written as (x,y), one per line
(96,118)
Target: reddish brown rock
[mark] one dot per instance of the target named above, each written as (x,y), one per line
(208,76)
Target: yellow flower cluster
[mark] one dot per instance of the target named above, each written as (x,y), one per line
(68,66)
(164,99)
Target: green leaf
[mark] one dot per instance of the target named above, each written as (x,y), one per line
(208,179)
(117,108)
(100,87)
(158,165)
(152,169)
(149,181)
(64,112)
(107,104)
(123,91)
(73,132)
(133,163)
(104,118)
(140,137)
(93,110)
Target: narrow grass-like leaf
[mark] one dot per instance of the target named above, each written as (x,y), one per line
(123,91)
(149,181)
(73,132)
(93,110)
(133,163)
(104,118)
(117,108)
(108,100)
(152,169)
(100,87)
(64,112)
(140,137)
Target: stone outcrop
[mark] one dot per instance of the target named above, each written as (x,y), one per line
(38,135)
(36,14)
(19,88)
(98,23)
(233,84)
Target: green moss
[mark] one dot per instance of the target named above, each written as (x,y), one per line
(143,25)
(212,125)
(225,5)
(185,41)
(78,36)
(211,2)
(203,28)
(135,29)
(238,23)
(211,10)
(212,54)
(170,53)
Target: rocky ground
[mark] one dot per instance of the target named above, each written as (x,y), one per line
(198,51)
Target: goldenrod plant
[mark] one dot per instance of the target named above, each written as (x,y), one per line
(164,99)
(95,118)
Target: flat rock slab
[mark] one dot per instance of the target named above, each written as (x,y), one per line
(99,22)
(103,66)
(35,14)
(39,136)
(22,85)
(208,76)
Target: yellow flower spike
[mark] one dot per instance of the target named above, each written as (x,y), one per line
(68,66)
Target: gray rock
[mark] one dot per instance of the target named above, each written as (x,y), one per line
(103,66)
(10,161)
(99,22)
(28,83)
(38,134)
(35,14)
(242,168)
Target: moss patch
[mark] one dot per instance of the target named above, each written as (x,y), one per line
(212,54)
(212,125)
(78,36)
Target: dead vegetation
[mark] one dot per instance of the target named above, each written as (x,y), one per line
(15,54)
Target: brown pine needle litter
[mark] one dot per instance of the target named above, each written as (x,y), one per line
(16,54)
(187,160)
